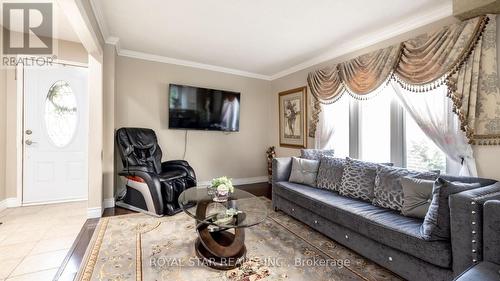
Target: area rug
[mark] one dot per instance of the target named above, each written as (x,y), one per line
(140,247)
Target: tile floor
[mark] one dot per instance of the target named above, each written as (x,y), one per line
(34,240)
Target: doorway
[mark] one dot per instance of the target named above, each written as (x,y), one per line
(55,134)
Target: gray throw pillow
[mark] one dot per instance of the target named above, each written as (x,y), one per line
(388,190)
(315,154)
(417,196)
(436,224)
(358,179)
(304,171)
(330,173)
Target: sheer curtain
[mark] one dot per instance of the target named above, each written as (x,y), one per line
(432,111)
(333,127)
(325,128)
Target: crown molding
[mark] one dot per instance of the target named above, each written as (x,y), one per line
(350,46)
(188,63)
(96,8)
(372,38)
(115,41)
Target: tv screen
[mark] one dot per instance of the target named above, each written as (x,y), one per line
(203,109)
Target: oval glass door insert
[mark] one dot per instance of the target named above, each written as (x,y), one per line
(61,116)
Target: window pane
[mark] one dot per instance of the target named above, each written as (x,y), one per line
(421,152)
(337,117)
(375,127)
(61,114)
(341,139)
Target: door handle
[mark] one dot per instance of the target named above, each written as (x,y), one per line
(30,142)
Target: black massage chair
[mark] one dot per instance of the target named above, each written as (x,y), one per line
(151,186)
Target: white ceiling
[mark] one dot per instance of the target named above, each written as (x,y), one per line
(263,38)
(62,28)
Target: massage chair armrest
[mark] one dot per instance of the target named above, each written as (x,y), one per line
(466,218)
(491,231)
(179,165)
(140,174)
(175,162)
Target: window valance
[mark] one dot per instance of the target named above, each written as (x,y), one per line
(462,56)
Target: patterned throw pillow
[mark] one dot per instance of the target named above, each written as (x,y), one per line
(304,171)
(330,173)
(315,154)
(358,180)
(388,189)
(436,224)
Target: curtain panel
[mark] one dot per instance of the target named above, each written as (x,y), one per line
(462,56)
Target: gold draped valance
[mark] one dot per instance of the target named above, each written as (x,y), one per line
(461,55)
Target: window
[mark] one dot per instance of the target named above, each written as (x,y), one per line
(61,114)
(375,128)
(340,111)
(421,152)
(334,127)
(379,130)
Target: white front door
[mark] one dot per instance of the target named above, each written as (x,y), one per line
(55,134)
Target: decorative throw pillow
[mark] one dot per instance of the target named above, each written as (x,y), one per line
(315,154)
(304,171)
(388,189)
(436,224)
(330,173)
(358,179)
(417,196)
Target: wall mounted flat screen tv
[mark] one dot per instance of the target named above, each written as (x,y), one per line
(203,109)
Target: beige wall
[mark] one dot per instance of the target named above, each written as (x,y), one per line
(142,101)
(109,84)
(486,156)
(65,50)
(3,136)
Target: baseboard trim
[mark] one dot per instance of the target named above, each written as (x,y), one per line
(240,181)
(9,203)
(93,213)
(108,203)
(55,202)
(3,205)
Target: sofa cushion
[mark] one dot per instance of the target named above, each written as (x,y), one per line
(382,225)
(388,190)
(304,171)
(315,154)
(417,196)
(358,179)
(436,224)
(330,173)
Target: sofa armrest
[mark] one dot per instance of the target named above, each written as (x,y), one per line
(484,271)
(282,167)
(466,210)
(491,231)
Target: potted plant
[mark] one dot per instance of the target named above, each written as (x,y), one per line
(221,188)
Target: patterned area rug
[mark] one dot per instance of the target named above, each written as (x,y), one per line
(140,247)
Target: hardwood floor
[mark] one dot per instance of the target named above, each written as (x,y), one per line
(73,260)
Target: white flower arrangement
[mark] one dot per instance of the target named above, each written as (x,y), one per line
(222,184)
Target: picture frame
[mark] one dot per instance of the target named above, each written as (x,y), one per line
(293,118)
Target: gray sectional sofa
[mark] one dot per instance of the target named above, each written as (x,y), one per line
(489,268)
(385,236)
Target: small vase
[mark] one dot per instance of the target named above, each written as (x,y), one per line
(221,195)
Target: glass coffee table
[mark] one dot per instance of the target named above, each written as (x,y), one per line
(221,225)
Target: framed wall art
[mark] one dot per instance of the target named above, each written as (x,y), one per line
(293,118)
